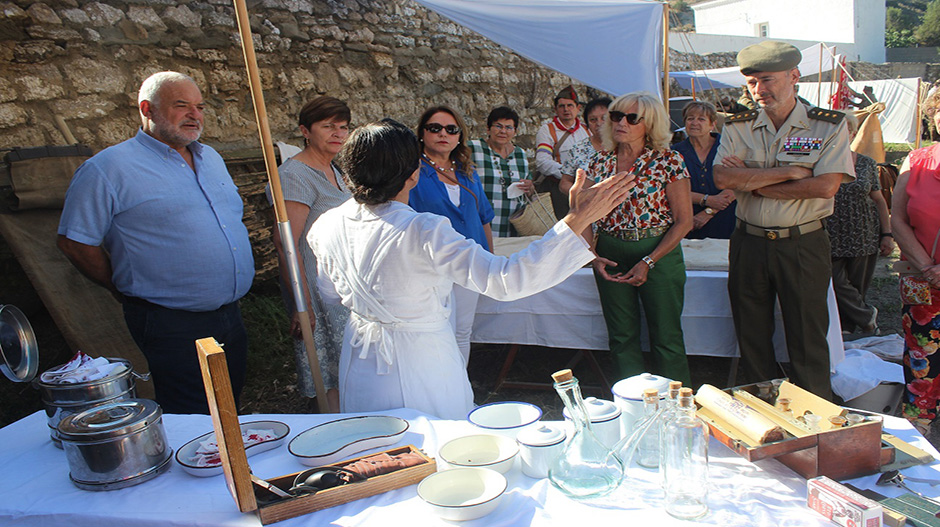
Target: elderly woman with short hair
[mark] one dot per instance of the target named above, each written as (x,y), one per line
(637,245)
(394,268)
(712,208)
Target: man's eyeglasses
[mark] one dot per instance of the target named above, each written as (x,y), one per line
(508,127)
(435,128)
(632,118)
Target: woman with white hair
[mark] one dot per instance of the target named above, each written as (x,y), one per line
(637,244)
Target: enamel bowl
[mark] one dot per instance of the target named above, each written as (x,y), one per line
(337,440)
(188,451)
(481,451)
(506,418)
(463,493)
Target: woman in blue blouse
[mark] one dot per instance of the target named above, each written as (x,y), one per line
(449,186)
(713,208)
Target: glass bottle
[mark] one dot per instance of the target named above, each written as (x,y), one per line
(587,468)
(648,449)
(669,412)
(686,461)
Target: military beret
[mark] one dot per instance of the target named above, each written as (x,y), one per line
(769,55)
(567,93)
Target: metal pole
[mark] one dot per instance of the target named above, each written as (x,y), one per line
(283,224)
(666,56)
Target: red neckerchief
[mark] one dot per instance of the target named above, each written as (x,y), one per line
(577,124)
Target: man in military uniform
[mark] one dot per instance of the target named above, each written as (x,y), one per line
(785,163)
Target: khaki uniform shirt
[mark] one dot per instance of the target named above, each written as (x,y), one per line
(818,144)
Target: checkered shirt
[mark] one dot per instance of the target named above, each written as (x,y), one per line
(497,174)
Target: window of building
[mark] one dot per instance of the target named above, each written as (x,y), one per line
(762,29)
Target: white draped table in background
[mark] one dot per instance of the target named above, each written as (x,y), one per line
(569,315)
(35,490)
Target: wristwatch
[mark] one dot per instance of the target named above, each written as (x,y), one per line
(710,211)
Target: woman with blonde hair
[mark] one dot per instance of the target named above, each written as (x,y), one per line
(637,244)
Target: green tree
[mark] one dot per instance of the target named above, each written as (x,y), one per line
(928,33)
(897,19)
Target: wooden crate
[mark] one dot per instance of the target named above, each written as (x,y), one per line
(250,496)
(838,453)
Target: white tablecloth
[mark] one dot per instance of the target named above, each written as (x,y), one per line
(569,316)
(35,489)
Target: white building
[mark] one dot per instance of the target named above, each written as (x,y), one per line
(855,27)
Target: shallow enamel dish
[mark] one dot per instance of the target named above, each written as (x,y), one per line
(463,493)
(483,450)
(336,440)
(506,418)
(188,451)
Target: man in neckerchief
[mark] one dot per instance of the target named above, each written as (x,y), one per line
(553,142)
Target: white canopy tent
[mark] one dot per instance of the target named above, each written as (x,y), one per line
(612,45)
(898,121)
(731,77)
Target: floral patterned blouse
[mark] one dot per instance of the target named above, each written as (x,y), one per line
(647,205)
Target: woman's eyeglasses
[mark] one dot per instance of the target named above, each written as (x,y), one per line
(508,128)
(435,128)
(632,118)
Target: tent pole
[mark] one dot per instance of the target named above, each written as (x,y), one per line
(918,116)
(693,88)
(666,56)
(283,224)
(819,77)
(832,57)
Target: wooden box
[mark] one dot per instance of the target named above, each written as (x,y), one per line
(250,492)
(838,453)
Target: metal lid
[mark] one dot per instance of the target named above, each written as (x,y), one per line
(599,410)
(544,435)
(632,387)
(110,420)
(19,354)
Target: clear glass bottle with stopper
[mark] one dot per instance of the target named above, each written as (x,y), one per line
(587,468)
(686,461)
(648,449)
(670,409)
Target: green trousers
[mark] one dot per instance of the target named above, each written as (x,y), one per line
(796,271)
(662,296)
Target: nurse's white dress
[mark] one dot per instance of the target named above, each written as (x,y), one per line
(394,268)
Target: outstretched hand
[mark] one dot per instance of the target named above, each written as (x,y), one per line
(589,203)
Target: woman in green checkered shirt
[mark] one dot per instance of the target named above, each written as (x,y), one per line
(500,164)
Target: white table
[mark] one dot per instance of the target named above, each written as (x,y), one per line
(35,489)
(569,316)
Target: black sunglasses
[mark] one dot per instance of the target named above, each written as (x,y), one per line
(632,118)
(434,128)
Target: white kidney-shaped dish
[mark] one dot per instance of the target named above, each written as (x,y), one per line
(336,440)
(482,450)
(200,457)
(463,493)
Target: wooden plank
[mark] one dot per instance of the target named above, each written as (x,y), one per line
(802,401)
(793,427)
(225,422)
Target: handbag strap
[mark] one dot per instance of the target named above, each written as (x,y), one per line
(933,252)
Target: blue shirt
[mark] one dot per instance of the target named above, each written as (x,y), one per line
(722,224)
(175,236)
(430,195)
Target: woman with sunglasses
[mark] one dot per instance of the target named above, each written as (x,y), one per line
(394,268)
(449,186)
(637,245)
(501,164)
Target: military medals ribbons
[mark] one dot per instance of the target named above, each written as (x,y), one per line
(802,146)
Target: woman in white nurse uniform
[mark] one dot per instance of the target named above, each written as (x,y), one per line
(394,268)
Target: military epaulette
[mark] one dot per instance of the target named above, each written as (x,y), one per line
(830,116)
(743,116)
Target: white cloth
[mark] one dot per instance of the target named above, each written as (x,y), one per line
(862,371)
(395,269)
(82,368)
(35,490)
(888,347)
(574,36)
(731,76)
(465,307)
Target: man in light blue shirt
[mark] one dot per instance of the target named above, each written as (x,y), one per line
(157,220)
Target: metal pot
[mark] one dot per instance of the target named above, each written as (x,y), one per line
(63,400)
(115,445)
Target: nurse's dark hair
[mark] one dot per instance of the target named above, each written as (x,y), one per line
(377,159)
